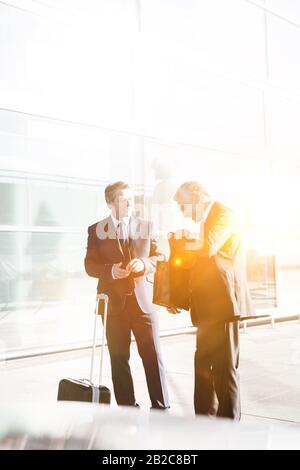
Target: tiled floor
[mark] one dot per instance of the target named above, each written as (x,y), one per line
(269,370)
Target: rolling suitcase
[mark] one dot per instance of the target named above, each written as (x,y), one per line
(85,389)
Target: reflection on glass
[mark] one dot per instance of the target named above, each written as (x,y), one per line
(41,266)
(261,277)
(14,203)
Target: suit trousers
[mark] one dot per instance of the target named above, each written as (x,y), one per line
(216,391)
(145,329)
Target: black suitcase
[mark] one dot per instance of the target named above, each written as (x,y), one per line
(84,389)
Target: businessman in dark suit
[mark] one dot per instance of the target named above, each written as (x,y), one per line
(122,254)
(218,298)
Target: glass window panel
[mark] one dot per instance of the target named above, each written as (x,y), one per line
(13,123)
(288,8)
(88,87)
(45,293)
(180,163)
(283,117)
(45,146)
(283,50)
(225,35)
(13,203)
(125,156)
(63,206)
(41,264)
(286,181)
(112,15)
(177,99)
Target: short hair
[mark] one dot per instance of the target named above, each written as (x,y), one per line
(112,189)
(192,187)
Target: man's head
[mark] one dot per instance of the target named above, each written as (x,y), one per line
(192,199)
(119,198)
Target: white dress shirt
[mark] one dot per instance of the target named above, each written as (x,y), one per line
(125,221)
(116,222)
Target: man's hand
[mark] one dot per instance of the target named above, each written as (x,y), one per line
(118,272)
(136,265)
(173,310)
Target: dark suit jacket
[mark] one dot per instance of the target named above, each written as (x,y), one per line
(104,250)
(218,278)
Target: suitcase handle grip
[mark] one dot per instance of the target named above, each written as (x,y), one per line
(99,297)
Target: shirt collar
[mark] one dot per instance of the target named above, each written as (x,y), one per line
(116,222)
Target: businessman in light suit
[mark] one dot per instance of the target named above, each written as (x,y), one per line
(122,254)
(219,297)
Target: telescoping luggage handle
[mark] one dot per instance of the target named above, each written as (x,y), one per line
(99,297)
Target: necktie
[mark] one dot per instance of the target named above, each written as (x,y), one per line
(124,242)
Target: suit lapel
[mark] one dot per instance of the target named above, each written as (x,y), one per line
(111,228)
(133,230)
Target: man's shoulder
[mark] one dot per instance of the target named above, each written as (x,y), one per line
(222,209)
(94,228)
(222,214)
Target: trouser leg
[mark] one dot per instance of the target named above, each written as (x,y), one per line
(118,339)
(205,402)
(146,331)
(225,370)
